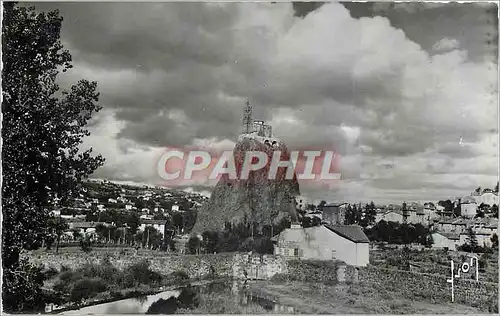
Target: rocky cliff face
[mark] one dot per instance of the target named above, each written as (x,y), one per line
(255,199)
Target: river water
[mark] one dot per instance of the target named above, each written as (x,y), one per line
(151,303)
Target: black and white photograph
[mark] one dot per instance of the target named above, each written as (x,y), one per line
(249,157)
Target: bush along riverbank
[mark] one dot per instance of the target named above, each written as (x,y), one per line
(99,283)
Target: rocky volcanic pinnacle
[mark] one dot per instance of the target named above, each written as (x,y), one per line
(255,199)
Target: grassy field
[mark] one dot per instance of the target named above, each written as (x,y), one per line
(436,261)
(316,298)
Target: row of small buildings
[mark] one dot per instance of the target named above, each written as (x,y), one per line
(456,232)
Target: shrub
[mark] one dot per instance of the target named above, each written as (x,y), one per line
(86,244)
(280,278)
(162,306)
(87,288)
(140,273)
(179,275)
(188,298)
(50,273)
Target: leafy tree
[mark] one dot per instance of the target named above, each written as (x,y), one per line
(86,244)
(353,215)
(102,231)
(457,210)
(178,221)
(189,219)
(471,239)
(152,238)
(193,245)
(496,188)
(494,241)
(321,205)
(42,162)
(133,221)
(76,234)
(316,221)
(57,227)
(210,240)
(306,222)
(494,211)
(371,214)
(478,190)
(264,245)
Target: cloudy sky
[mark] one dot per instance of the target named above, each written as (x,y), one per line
(405,93)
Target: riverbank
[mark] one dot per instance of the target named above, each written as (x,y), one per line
(113,296)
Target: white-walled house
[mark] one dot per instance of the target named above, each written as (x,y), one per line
(488,198)
(146,217)
(391,216)
(157,224)
(468,207)
(483,239)
(347,243)
(443,240)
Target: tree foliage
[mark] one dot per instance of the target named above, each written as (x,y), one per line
(396,233)
(42,133)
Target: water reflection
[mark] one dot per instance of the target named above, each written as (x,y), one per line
(188,297)
(137,305)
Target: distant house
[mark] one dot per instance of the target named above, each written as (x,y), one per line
(110,200)
(483,239)
(86,228)
(443,240)
(175,208)
(78,217)
(301,202)
(446,226)
(391,216)
(468,207)
(146,217)
(488,197)
(486,226)
(334,214)
(128,207)
(157,224)
(347,243)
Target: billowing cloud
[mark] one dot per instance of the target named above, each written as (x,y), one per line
(446,44)
(404,117)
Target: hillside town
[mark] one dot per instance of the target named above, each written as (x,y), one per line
(162,219)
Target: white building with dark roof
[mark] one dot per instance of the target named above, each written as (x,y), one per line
(346,243)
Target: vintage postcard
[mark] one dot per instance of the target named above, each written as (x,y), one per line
(250,158)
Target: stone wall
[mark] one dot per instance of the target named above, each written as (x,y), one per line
(194,266)
(321,271)
(432,287)
(233,265)
(257,267)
